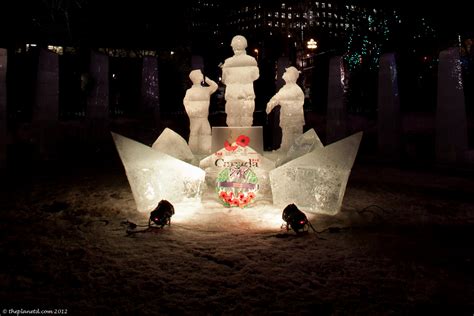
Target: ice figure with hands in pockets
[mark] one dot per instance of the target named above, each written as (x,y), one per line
(238,74)
(196,102)
(291,99)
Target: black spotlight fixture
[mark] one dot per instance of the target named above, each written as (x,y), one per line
(161,215)
(295,219)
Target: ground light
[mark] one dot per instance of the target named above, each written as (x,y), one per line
(295,219)
(161,215)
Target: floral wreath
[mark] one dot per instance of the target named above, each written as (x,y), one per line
(237,185)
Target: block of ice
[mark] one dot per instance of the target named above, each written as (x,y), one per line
(316,181)
(171,143)
(154,175)
(301,146)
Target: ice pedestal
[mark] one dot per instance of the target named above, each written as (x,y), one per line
(154,176)
(317,180)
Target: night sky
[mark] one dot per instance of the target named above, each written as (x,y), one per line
(157,24)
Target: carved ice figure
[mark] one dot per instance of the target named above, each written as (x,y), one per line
(196,102)
(317,180)
(291,99)
(238,74)
(154,176)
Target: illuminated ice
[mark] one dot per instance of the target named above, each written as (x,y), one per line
(259,165)
(291,99)
(154,176)
(196,102)
(171,143)
(238,74)
(317,181)
(301,146)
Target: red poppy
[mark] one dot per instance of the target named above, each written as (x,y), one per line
(228,147)
(243,140)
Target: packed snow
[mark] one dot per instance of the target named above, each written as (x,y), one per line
(400,245)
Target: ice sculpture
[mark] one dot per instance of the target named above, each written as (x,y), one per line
(301,146)
(154,176)
(196,102)
(238,173)
(171,143)
(291,99)
(316,181)
(238,74)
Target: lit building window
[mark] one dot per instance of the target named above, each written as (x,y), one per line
(317,14)
(282,24)
(330,24)
(57,49)
(289,16)
(329,14)
(269,14)
(323,5)
(283,15)
(283,5)
(329,5)
(269,23)
(324,14)
(276,14)
(317,4)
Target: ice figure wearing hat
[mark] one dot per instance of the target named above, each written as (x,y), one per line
(291,99)
(238,74)
(196,102)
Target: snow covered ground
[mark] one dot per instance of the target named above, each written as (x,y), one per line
(402,244)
